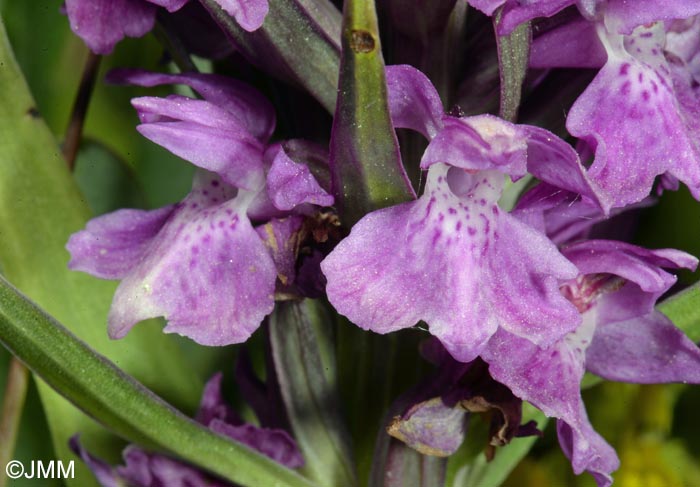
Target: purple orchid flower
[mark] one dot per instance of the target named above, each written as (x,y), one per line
(168,259)
(144,469)
(440,258)
(103,23)
(640,113)
(621,338)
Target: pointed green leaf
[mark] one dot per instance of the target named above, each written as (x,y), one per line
(513,58)
(366,168)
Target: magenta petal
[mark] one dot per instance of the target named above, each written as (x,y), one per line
(413,101)
(290,184)
(631,116)
(550,379)
(553,161)
(240,100)
(479,143)
(624,16)
(646,350)
(208,242)
(588,451)
(440,259)
(249,14)
(212,405)
(572,45)
(233,154)
(636,264)
(103,23)
(111,245)
(170,5)
(274,443)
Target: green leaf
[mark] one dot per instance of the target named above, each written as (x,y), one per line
(120,403)
(311,400)
(40,207)
(366,168)
(107,182)
(513,57)
(684,310)
(297,41)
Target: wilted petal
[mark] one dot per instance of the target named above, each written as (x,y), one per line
(414,102)
(249,14)
(441,258)
(208,242)
(631,116)
(111,245)
(240,100)
(103,23)
(431,427)
(290,184)
(281,236)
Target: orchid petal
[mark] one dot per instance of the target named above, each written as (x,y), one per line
(290,184)
(111,245)
(103,23)
(645,350)
(208,242)
(240,100)
(588,451)
(479,143)
(413,101)
(249,14)
(631,116)
(623,17)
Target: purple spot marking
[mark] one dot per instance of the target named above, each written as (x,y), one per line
(471,230)
(452,211)
(215,183)
(626,88)
(646,95)
(624,69)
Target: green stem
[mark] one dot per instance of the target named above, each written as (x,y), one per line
(122,404)
(12,406)
(74,131)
